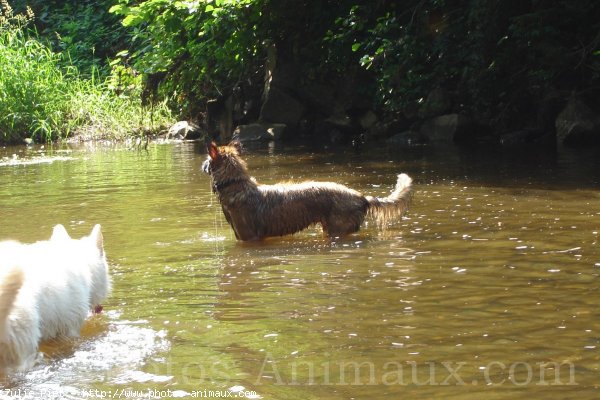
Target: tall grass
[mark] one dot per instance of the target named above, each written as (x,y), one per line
(39,99)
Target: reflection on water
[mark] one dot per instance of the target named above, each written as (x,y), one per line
(487,289)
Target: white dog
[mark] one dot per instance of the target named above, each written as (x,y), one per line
(47,290)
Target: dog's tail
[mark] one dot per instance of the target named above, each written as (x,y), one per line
(394,205)
(10,284)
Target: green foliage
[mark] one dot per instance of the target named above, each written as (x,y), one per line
(497,58)
(40,98)
(195,49)
(203,49)
(389,43)
(97,112)
(84,29)
(28,71)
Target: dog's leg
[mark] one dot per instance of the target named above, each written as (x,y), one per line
(228,218)
(338,225)
(243,227)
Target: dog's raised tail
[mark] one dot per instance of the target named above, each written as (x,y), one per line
(10,285)
(393,206)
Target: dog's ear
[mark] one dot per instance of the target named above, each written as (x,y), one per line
(237,145)
(213,150)
(59,233)
(97,237)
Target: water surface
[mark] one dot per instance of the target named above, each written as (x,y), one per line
(487,289)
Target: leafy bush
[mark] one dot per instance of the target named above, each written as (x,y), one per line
(192,50)
(498,59)
(495,59)
(83,29)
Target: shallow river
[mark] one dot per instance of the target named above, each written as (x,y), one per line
(487,289)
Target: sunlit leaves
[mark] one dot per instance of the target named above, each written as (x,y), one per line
(199,46)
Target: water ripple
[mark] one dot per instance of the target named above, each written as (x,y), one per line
(112,353)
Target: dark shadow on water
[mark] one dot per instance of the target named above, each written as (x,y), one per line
(526,166)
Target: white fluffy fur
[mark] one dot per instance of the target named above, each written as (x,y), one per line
(46,291)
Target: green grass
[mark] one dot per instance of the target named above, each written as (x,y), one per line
(43,100)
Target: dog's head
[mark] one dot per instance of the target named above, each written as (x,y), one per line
(224,161)
(87,252)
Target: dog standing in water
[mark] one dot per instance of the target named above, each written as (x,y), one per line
(47,290)
(257,211)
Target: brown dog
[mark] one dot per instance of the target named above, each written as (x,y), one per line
(257,211)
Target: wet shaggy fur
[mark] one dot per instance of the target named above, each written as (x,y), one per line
(257,211)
